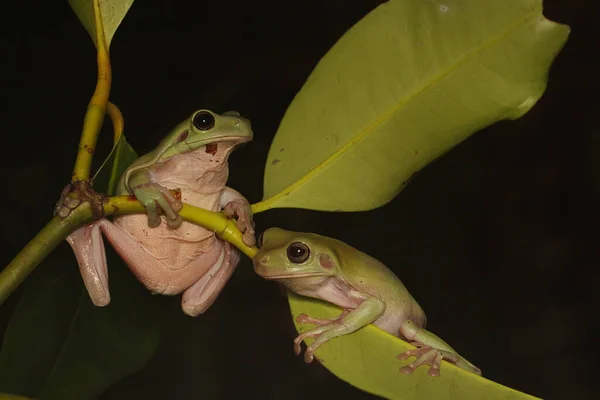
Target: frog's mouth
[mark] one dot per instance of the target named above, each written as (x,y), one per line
(296,276)
(213,148)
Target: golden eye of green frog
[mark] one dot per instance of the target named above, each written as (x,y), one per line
(298,252)
(203,121)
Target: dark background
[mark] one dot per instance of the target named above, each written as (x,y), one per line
(496,239)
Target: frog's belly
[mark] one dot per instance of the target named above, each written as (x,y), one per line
(168,261)
(173,248)
(176,258)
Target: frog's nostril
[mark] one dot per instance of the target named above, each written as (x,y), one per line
(264,260)
(182,136)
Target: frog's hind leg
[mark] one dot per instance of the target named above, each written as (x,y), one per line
(88,246)
(431,350)
(202,294)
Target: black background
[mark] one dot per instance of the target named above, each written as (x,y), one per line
(496,239)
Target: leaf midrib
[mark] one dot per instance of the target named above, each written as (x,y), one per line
(265,204)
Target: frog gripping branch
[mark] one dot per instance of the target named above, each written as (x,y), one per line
(174,256)
(80,203)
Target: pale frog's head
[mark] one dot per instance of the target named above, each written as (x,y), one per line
(286,255)
(217,133)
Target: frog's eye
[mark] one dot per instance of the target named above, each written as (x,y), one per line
(298,252)
(203,121)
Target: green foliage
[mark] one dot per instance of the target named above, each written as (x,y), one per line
(58,345)
(405,84)
(367,360)
(112,11)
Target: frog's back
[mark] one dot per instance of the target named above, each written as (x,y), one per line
(369,275)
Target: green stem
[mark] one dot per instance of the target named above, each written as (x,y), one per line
(38,249)
(57,230)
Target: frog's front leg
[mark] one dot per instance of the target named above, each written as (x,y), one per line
(236,205)
(368,311)
(154,197)
(307,319)
(431,350)
(201,295)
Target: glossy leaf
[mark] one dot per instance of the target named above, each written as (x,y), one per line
(408,82)
(58,345)
(367,360)
(113,12)
(121,156)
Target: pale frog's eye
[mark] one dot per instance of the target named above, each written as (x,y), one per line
(298,252)
(203,121)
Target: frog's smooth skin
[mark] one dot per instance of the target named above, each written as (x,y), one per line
(168,255)
(328,269)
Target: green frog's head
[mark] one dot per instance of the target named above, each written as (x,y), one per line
(206,128)
(286,255)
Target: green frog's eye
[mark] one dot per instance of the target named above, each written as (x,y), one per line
(203,121)
(298,252)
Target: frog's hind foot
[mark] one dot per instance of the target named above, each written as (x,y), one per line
(76,193)
(425,356)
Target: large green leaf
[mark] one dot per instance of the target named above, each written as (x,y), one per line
(367,360)
(408,82)
(112,14)
(58,345)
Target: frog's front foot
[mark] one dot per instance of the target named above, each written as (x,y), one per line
(158,199)
(328,329)
(76,193)
(309,353)
(240,208)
